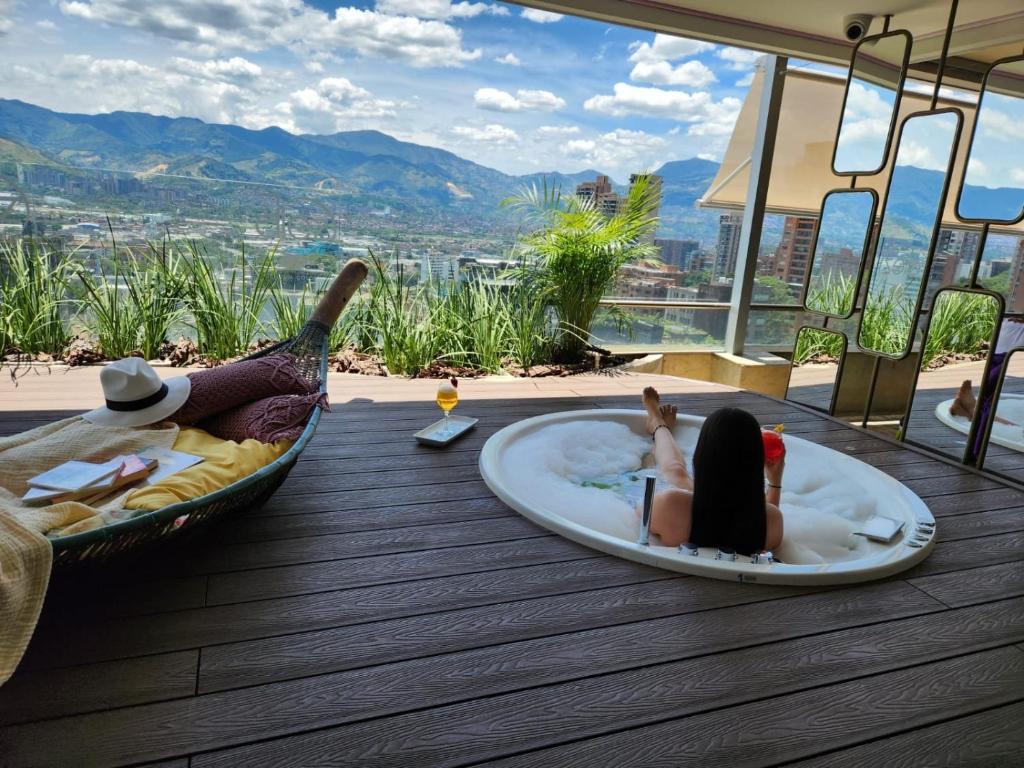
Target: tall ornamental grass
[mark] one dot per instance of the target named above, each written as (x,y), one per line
(811,343)
(35,283)
(132,310)
(832,293)
(961,323)
(226,316)
(887,322)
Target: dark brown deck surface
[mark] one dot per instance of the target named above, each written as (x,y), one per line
(384,609)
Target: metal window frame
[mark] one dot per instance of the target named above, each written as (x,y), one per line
(863,263)
(761,157)
(895,107)
(839,371)
(970,150)
(965,457)
(933,241)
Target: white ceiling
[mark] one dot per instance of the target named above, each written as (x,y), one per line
(813,29)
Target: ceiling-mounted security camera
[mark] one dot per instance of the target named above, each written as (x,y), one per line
(856,25)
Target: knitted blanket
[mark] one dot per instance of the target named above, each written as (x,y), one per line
(25,553)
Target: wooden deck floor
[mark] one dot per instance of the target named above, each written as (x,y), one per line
(384,609)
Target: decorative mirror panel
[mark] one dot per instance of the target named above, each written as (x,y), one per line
(872,101)
(1005,451)
(992,188)
(837,261)
(817,362)
(960,330)
(910,223)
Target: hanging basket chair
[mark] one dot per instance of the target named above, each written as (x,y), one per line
(310,349)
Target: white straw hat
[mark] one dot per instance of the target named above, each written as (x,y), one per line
(136,396)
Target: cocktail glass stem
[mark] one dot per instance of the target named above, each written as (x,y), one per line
(444,429)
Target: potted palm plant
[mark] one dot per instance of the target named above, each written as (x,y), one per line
(575,251)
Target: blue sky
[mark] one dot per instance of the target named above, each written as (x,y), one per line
(509,87)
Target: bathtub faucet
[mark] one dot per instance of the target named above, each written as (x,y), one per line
(645,521)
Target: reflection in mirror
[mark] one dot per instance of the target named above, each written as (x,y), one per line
(913,205)
(993,186)
(1005,451)
(871,104)
(843,234)
(961,329)
(817,360)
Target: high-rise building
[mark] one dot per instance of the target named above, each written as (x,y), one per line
(728,246)
(600,194)
(794,251)
(678,253)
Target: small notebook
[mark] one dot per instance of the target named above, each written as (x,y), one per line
(74,475)
(880,528)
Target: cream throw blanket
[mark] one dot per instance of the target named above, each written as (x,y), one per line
(25,552)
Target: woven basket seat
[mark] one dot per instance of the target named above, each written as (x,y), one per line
(310,349)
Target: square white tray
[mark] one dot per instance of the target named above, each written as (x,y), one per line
(459,425)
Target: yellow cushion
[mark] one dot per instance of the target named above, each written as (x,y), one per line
(224,462)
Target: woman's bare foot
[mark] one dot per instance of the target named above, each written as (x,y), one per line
(965,402)
(657,414)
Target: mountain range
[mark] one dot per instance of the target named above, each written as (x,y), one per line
(366,166)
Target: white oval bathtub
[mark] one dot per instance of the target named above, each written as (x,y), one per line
(574,473)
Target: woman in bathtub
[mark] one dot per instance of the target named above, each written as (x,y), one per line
(725,503)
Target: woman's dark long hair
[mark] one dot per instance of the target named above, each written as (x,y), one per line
(728,483)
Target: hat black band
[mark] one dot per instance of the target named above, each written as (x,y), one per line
(138,405)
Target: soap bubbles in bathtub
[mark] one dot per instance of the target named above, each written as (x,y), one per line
(592,473)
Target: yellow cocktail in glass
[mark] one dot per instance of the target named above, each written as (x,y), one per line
(447,398)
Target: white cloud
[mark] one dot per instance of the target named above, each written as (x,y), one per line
(333,105)
(314,66)
(234,69)
(466,10)
(629,99)
(256,25)
(509,58)
(1017,175)
(666,48)
(919,156)
(438,9)
(867,102)
(183,88)
(691,74)
(541,17)
(490,134)
(746,81)
(524,100)
(424,9)
(621,150)
(580,146)
(46,24)
(739,58)
(6,11)
(558,130)
(1000,126)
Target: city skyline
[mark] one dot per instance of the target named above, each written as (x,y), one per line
(512,88)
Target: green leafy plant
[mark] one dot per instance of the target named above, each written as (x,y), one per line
(226,313)
(35,283)
(158,293)
(811,343)
(961,323)
(577,251)
(887,322)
